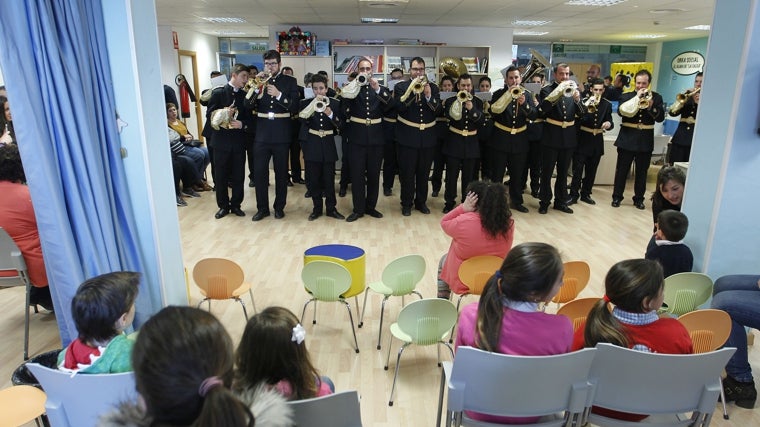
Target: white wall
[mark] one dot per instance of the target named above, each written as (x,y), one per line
(204,46)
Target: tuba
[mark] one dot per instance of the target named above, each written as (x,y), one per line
(455,110)
(537,65)
(452,67)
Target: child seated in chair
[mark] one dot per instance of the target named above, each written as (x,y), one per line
(102,309)
(272,352)
(667,247)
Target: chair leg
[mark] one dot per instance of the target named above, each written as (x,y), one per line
(451,335)
(440,398)
(417,293)
(723,398)
(382,313)
(253,303)
(364,309)
(314,319)
(242,304)
(351,319)
(356,300)
(201,303)
(303,313)
(26,320)
(395,375)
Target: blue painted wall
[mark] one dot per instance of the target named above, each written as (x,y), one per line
(668,82)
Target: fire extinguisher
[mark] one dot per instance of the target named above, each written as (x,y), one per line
(186,95)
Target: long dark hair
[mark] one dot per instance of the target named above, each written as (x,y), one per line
(10,164)
(528,273)
(495,216)
(666,173)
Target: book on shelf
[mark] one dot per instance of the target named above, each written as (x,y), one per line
(407,42)
(472,64)
(484,64)
(394,62)
(351,64)
(373,41)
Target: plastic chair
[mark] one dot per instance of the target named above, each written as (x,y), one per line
(474,273)
(663,385)
(11,259)
(709,330)
(424,322)
(577,310)
(81,399)
(684,292)
(400,277)
(21,404)
(517,386)
(327,281)
(575,279)
(221,279)
(335,410)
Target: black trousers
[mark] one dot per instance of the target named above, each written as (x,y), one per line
(517,164)
(295,160)
(534,166)
(414,170)
(453,168)
(229,168)
(263,152)
(390,164)
(321,177)
(550,157)
(439,164)
(584,173)
(679,153)
(249,137)
(641,160)
(345,167)
(365,163)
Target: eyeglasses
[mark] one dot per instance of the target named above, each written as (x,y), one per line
(271,62)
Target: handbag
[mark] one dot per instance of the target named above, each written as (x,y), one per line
(193,143)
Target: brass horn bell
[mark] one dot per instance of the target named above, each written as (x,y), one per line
(452,67)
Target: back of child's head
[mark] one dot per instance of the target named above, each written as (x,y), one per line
(272,349)
(495,216)
(183,367)
(101,301)
(673,224)
(529,273)
(629,286)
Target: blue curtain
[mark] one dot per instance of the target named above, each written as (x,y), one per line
(56,70)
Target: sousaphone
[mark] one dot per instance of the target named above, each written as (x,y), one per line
(452,67)
(536,65)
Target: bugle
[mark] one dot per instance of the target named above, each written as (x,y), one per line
(682,97)
(570,88)
(464,96)
(644,99)
(591,103)
(321,104)
(517,91)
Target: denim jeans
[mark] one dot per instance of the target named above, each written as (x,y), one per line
(739,296)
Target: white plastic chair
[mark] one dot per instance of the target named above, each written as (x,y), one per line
(81,399)
(12,260)
(554,387)
(665,386)
(335,410)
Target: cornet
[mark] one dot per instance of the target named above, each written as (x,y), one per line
(570,88)
(362,79)
(321,105)
(644,99)
(591,103)
(517,91)
(418,86)
(464,96)
(682,97)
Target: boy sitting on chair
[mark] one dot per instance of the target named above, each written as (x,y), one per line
(102,309)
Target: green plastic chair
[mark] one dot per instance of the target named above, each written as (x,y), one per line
(327,281)
(400,278)
(424,322)
(684,292)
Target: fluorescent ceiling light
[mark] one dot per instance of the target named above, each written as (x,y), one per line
(530,33)
(698,27)
(383,3)
(594,2)
(229,32)
(225,20)
(647,36)
(379,20)
(527,23)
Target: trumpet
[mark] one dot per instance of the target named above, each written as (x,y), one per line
(419,84)
(591,103)
(321,104)
(455,111)
(517,91)
(464,96)
(256,84)
(362,79)
(570,88)
(644,99)
(682,97)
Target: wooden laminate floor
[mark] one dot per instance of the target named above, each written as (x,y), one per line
(271,254)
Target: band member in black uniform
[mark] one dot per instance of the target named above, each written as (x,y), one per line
(345,165)
(363,103)
(390,157)
(512,108)
(535,133)
(680,144)
(418,104)
(461,148)
(250,135)
(635,142)
(274,103)
(229,142)
(596,120)
(561,106)
(295,146)
(483,165)
(321,122)
(442,129)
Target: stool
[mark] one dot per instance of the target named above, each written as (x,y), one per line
(20,404)
(351,257)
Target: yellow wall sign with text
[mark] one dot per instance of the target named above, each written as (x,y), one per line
(628,70)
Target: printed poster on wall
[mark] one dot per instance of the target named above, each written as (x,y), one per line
(628,70)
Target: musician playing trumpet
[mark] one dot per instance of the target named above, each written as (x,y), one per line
(686,105)
(512,107)
(418,104)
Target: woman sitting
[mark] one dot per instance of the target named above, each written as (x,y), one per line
(193,148)
(669,195)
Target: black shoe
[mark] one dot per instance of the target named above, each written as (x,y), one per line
(423,208)
(298,180)
(290,183)
(342,191)
(543,209)
(435,193)
(353,217)
(374,213)
(314,215)
(535,194)
(237,211)
(387,192)
(279,214)
(308,194)
(563,208)
(743,394)
(335,214)
(572,200)
(639,205)
(189,192)
(447,209)
(520,208)
(615,203)
(406,211)
(588,199)
(251,184)
(260,215)
(221,213)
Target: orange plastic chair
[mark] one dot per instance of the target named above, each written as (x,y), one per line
(21,404)
(575,279)
(577,310)
(221,279)
(709,330)
(474,273)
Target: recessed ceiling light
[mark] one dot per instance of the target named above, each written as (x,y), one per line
(379,20)
(527,23)
(647,36)
(698,27)
(565,40)
(663,11)
(225,20)
(594,2)
(530,33)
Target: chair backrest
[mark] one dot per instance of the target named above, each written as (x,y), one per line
(577,310)
(474,272)
(403,274)
(684,292)
(218,277)
(507,385)
(709,329)
(575,279)
(326,280)
(653,383)
(81,399)
(427,321)
(11,260)
(335,410)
